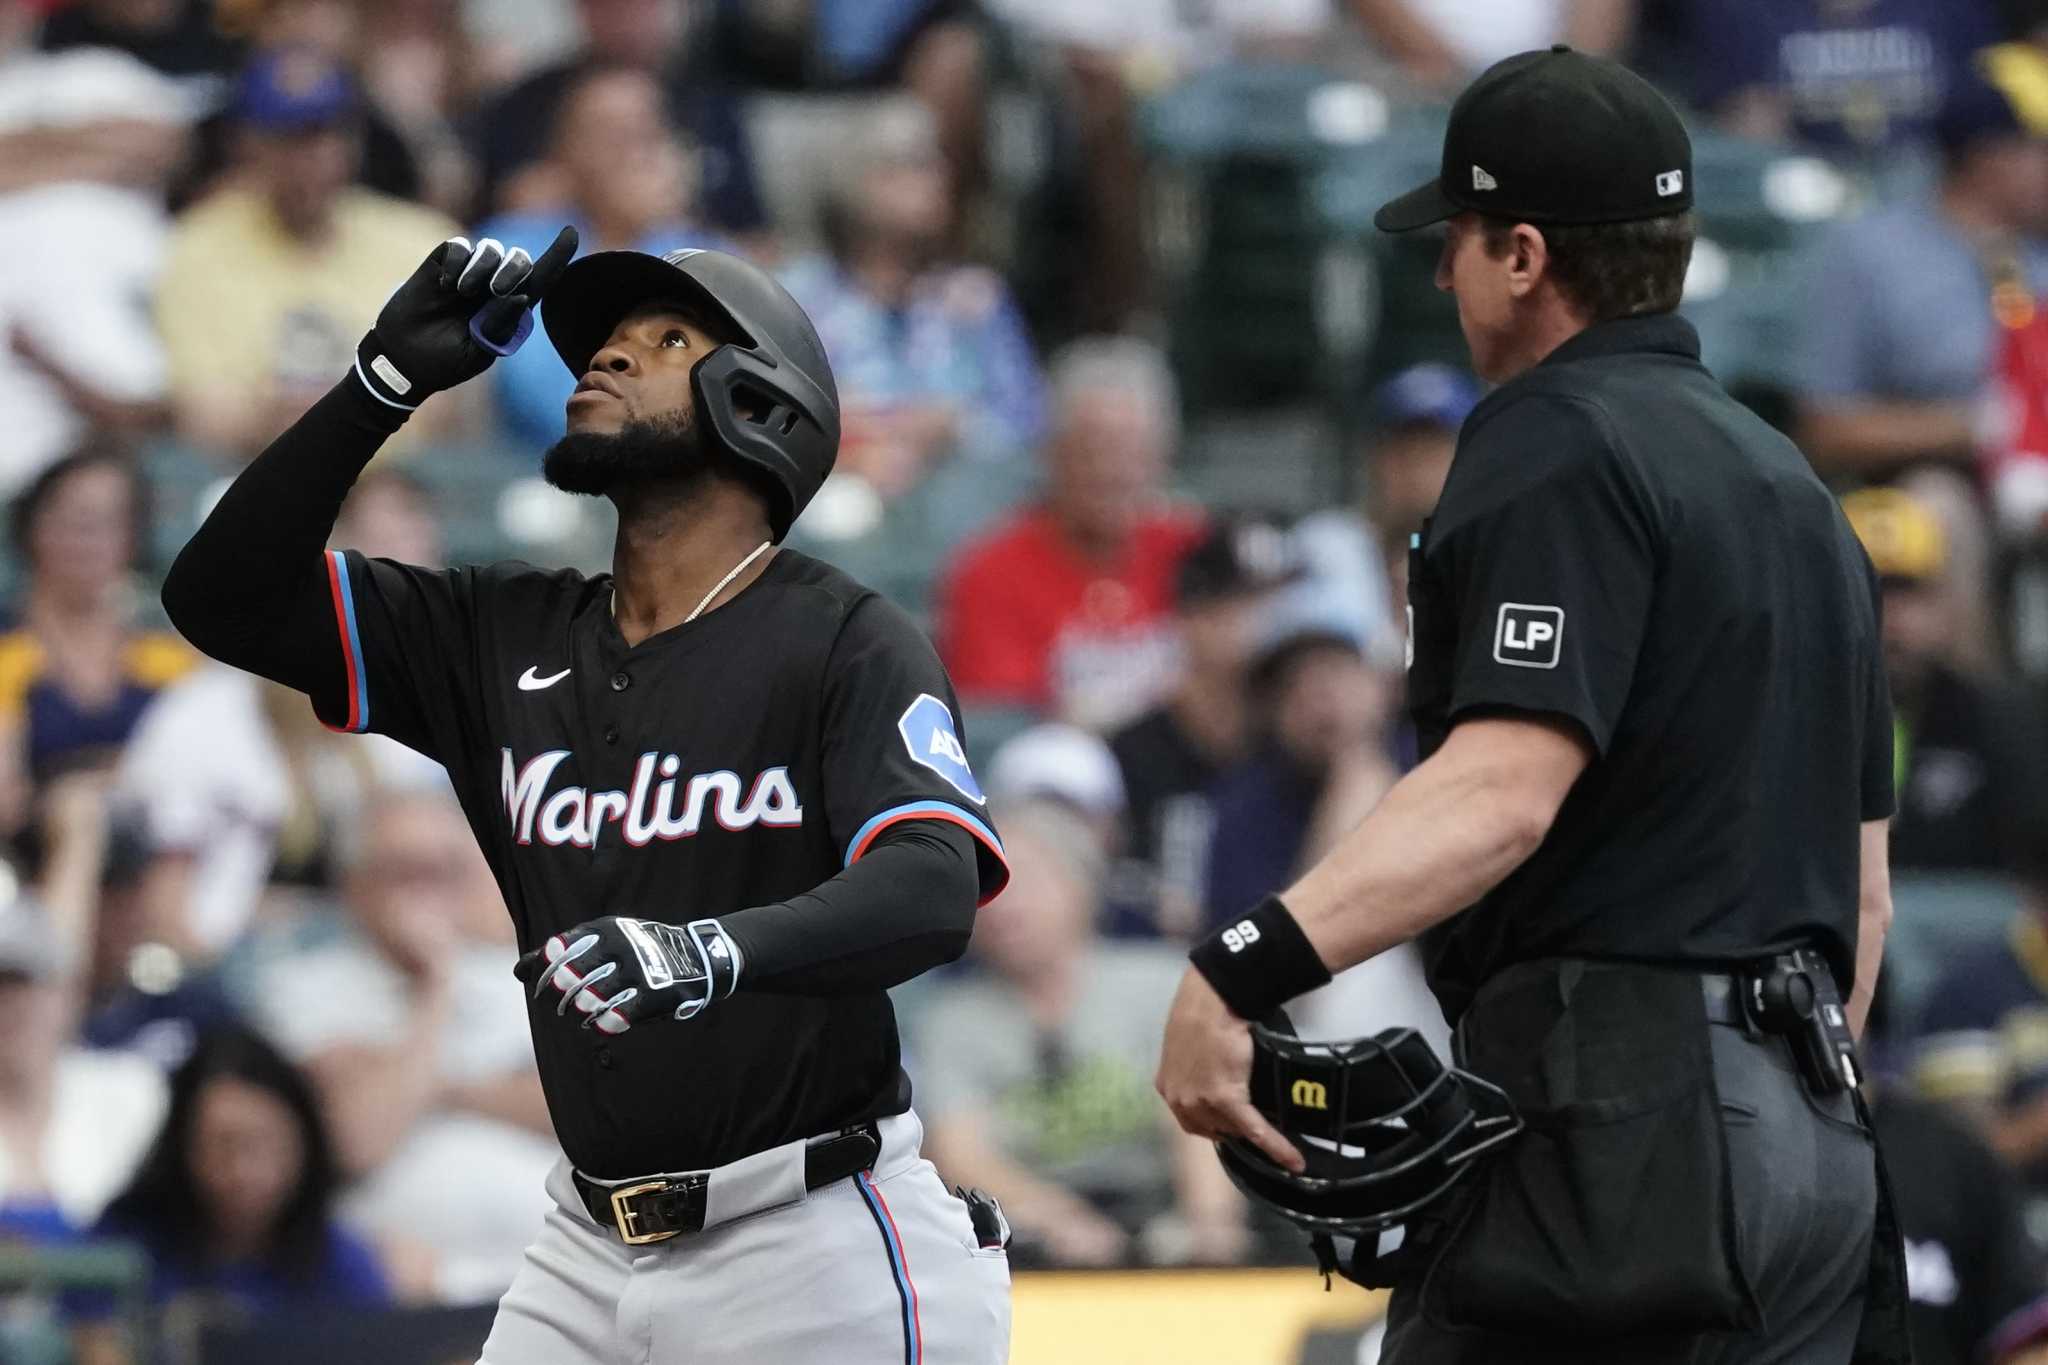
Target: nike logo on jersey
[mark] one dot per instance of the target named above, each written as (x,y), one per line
(660,804)
(529,683)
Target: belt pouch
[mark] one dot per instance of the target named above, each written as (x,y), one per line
(1612,1213)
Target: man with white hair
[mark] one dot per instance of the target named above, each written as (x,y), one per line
(1065,609)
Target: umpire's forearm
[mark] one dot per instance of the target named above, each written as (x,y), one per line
(250,588)
(1444,836)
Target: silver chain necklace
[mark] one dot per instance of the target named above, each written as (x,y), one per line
(716,589)
(724,582)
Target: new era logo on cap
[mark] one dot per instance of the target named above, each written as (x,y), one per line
(1527,635)
(1482,181)
(1670,183)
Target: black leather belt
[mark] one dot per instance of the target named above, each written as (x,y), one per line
(655,1210)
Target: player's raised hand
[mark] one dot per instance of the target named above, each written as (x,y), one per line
(618,972)
(465,305)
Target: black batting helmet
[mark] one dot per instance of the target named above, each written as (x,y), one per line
(775,372)
(1383,1125)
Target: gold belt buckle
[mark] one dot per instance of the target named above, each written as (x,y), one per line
(625,1217)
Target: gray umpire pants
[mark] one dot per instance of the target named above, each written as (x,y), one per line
(882,1267)
(1803,1171)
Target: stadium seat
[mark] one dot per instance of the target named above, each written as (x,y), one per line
(1235,234)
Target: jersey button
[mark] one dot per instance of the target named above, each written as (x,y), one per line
(604,1057)
(621,681)
(611,734)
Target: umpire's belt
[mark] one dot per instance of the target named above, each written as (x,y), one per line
(659,1207)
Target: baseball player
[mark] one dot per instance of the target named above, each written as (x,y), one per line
(722,789)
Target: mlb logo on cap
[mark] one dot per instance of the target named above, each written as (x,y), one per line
(1670,183)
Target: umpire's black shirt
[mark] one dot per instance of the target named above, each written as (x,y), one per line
(1622,545)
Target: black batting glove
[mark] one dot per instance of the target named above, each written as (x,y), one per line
(619,972)
(463,308)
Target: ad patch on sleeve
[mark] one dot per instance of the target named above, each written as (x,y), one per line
(929,735)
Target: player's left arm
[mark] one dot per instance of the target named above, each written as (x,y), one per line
(919,857)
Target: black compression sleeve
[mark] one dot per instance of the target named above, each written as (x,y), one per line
(907,906)
(250,587)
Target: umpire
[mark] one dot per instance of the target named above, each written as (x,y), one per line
(1645,848)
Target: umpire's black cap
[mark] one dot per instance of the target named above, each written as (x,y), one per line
(1555,137)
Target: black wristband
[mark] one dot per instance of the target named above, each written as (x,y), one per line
(1259,961)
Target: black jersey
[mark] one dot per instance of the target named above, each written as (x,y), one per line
(734,761)
(1621,545)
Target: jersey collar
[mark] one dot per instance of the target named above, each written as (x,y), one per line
(1658,333)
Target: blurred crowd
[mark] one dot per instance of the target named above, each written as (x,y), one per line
(1137,420)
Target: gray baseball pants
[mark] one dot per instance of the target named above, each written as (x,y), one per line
(880,1268)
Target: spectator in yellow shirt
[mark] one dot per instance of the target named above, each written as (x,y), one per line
(76,669)
(270,280)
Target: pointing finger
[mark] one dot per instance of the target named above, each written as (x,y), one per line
(550,265)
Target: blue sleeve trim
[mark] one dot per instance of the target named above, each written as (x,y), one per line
(358,680)
(919,810)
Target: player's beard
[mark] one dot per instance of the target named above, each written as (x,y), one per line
(641,451)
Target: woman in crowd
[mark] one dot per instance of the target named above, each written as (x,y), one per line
(233,1202)
(76,667)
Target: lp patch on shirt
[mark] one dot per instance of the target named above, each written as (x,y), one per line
(1528,636)
(927,730)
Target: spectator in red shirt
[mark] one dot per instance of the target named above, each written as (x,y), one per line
(1066,609)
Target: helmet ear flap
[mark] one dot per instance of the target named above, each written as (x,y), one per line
(762,414)
(758,407)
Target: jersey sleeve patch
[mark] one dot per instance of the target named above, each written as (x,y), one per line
(993,864)
(929,734)
(351,643)
(1528,635)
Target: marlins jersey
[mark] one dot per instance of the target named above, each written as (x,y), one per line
(733,761)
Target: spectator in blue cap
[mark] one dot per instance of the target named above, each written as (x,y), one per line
(269,281)
(1356,556)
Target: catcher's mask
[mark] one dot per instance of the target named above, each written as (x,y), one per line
(1384,1126)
